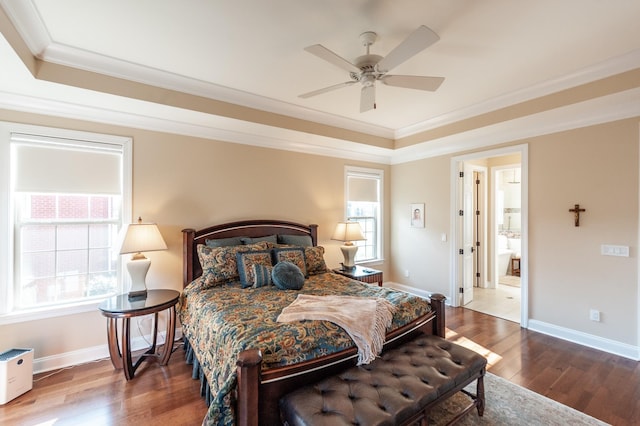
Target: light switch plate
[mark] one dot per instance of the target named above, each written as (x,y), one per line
(611,250)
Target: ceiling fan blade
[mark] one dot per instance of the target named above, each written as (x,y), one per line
(368,98)
(326,89)
(413,82)
(419,40)
(323,53)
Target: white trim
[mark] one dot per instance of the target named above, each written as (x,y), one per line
(49,312)
(408,289)
(605,109)
(620,64)
(202,125)
(456,163)
(93,353)
(601,110)
(590,340)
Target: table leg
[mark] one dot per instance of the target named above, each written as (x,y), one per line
(169,336)
(114,348)
(152,349)
(129,370)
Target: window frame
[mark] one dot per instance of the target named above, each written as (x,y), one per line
(8,313)
(369,173)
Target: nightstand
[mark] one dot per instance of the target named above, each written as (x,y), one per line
(120,307)
(366,275)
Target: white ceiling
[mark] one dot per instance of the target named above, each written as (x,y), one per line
(250,52)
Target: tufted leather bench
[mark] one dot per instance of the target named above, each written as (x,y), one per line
(399,388)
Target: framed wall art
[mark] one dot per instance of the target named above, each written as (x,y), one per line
(417,215)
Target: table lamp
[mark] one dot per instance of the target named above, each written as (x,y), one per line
(348,232)
(138,238)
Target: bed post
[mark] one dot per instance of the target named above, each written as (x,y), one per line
(437,303)
(248,366)
(313,230)
(187,256)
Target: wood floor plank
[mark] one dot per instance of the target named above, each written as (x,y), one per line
(602,385)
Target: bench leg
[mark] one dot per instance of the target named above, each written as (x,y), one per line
(480,395)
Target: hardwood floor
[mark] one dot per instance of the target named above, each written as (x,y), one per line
(602,385)
(96,394)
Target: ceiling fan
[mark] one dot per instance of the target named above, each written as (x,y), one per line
(369,68)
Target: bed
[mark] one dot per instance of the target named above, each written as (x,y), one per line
(247,361)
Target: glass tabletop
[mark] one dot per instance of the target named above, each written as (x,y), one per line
(155,298)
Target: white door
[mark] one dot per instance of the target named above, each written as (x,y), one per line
(468,242)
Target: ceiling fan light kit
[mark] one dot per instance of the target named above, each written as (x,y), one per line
(369,68)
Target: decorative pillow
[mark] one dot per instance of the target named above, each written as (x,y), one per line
(295,240)
(314,257)
(224,242)
(294,255)
(261,276)
(246,260)
(287,276)
(269,238)
(219,263)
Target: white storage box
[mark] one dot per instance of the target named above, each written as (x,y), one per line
(16,373)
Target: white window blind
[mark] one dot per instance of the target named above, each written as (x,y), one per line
(48,165)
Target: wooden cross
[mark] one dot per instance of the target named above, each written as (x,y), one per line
(576,210)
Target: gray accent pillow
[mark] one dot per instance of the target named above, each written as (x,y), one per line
(287,276)
(295,240)
(269,238)
(224,242)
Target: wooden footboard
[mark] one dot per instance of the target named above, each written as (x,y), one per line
(258,393)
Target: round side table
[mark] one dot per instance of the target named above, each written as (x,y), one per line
(120,307)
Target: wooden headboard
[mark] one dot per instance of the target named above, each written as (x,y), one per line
(246,228)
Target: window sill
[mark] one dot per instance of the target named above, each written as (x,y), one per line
(49,312)
(372,262)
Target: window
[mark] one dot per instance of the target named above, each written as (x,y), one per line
(363,190)
(68,196)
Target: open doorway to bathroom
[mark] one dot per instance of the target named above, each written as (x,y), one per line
(502,290)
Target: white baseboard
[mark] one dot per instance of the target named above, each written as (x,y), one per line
(90,354)
(409,289)
(589,340)
(595,342)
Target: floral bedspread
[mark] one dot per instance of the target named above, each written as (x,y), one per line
(222,321)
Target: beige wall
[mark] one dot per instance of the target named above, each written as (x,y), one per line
(596,167)
(189,182)
(421,251)
(182,182)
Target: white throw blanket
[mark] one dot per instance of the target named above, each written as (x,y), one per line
(365,319)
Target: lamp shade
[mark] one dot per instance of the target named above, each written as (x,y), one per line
(348,231)
(142,237)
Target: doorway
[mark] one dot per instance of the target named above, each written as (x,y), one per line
(502,234)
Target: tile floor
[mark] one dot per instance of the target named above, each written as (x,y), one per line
(502,302)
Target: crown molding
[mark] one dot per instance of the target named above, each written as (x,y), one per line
(605,109)
(225,129)
(608,68)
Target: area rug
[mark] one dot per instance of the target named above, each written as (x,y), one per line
(509,404)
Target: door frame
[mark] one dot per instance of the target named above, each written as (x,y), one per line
(456,188)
